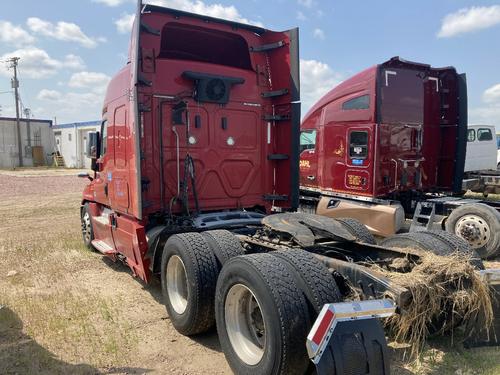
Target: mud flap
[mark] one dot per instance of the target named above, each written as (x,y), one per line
(491,337)
(347,334)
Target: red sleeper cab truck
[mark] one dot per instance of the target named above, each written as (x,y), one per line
(387,139)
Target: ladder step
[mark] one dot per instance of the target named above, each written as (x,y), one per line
(423,217)
(103,247)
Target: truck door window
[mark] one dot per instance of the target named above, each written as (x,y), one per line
(307,140)
(358,144)
(471,135)
(361,102)
(484,135)
(104,132)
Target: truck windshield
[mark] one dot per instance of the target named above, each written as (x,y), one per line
(401,96)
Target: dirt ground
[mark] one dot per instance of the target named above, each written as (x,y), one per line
(66,310)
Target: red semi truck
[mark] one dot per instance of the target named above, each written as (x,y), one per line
(389,144)
(199,145)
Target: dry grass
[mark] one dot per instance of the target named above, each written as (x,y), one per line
(446,293)
(67,311)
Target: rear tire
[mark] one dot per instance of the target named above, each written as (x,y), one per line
(188,278)
(224,245)
(312,277)
(434,242)
(479,225)
(358,230)
(319,288)
(87,229)
(460,245)
(261,316)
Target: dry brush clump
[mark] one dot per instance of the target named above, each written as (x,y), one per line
(446,293)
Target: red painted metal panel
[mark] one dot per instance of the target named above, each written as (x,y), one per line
(412,125)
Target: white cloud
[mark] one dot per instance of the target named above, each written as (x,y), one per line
(112,3)
(316,79)
(124,23)
(319,34)
(228,12)
(301,16)
(306,3)
(65,31)
(212,10)
(489,113)
(469,19)
(492,95)
(97,82)
(36,63)
(49,95)
(14,35)
(71,106)
(73,62)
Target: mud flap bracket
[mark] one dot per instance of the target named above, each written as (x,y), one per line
(339,322)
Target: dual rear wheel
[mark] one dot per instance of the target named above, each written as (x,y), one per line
(264,305)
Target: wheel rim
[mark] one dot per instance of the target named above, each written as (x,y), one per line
(474,229)
(86,227)
(245,324)
(177,288)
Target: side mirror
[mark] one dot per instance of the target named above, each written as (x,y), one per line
(94,148)
(93,145)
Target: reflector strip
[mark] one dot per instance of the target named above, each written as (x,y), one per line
(323,327)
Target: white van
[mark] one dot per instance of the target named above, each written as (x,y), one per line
(482,148)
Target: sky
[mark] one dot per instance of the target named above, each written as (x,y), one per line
(69,50)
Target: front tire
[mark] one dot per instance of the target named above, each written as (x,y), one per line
(87,229)
(262,317)
(188,278)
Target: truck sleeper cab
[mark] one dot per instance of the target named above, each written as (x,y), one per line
(200,134)
(194,129)
(385,140)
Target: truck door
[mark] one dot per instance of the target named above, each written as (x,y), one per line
(358,159)
(105,160)
(308,159)
(101,215)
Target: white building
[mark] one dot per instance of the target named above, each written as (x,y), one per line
(37,142)
(71,142)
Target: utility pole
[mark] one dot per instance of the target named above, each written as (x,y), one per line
(27,113)
(15,85)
